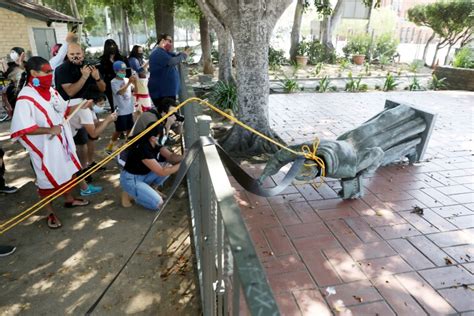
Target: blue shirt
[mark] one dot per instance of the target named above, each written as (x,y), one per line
(164,76)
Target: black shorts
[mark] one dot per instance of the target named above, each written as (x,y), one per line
(81,137)
(124,123)
(163,104)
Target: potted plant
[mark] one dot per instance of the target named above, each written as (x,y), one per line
(357,47)
(358,58)
(302,53)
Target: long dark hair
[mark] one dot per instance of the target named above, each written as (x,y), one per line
(19,50)
(134,52)
(34,63)
(109,45)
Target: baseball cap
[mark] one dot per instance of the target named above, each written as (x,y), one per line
(119,65)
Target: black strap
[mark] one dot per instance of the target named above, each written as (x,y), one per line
(245,180)
(254,186)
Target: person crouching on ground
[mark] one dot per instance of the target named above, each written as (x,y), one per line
(40,127)
(122,94)
(143,170)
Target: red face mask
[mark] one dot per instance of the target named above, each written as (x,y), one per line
(168,46)
(42,85)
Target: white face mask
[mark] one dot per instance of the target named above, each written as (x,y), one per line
(14,56)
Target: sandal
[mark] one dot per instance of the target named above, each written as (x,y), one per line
(53,221)
(76,203)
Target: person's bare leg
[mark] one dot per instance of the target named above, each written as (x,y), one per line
(81,151)
(90,151)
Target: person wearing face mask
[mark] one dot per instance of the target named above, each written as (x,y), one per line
(14,74)
(142,100)
(164,76)
(59,51)
(40,128)
(122,96)
(111,54)
(73,79)
(136,61)
(142,169)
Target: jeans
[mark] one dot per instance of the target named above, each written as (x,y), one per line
(139,188)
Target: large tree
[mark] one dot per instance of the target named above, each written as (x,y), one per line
(301,5)
(251,24)
(164,16)
(451,21)
(224,40)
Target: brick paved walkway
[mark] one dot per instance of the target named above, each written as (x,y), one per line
(374,253)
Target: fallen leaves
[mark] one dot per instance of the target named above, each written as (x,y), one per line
(448,260)
(417,210)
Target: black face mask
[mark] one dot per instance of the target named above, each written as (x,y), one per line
(140,55)
(113,50)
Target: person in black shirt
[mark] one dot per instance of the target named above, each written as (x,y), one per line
(142,169)
(111,54)
(74,79)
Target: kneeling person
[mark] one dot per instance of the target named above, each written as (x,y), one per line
(142,169)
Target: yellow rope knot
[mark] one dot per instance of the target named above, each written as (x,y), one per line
(310,154)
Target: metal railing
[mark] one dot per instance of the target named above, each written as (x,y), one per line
(231,278)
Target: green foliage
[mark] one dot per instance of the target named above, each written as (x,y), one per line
(390,83)
(224,95)
(414,85)
(355,85)
(450,20)
(367,69)
(385,45)
(323,84)
(384,61)
(214,55)
(464,58)
(276,58)
(295,67)
(416,65)
(303,48)
(289,85)
(357,45)
(437,84)
(319,53)
(344,64)
(317,69)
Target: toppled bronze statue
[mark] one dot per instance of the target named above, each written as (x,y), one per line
(398,131)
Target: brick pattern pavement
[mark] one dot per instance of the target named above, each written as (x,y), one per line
(377,256)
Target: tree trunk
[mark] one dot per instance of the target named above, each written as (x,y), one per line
(77,15)
(425,51)
(145,17)
(330,23)
(126,33)
(251,24)
(224,39)
(252,98)
(164,17)
(225,56)
(295,31)
(446,59)
(208,69)
(435,55)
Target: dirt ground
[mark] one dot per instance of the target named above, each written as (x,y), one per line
(62,272)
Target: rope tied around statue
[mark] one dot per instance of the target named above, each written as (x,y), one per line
(306,154)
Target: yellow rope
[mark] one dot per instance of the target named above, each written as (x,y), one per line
(306,152)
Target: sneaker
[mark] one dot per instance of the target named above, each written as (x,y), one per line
(91,189)
(109,149)
(9,190)
(6,250)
